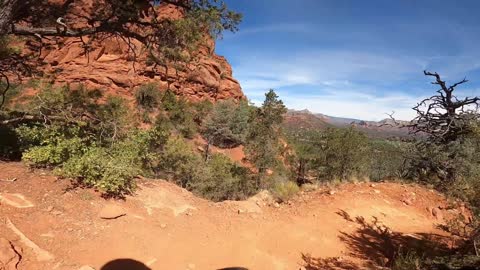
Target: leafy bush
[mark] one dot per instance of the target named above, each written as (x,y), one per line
(228,123)
(5,48)
(178,162)
(98,168)
(388,160)
(453,168)
(216,179)
(222,180)
(284,190)
(148,96)
(55,153)
(454,262)
(50,146)
(180,113)
(345,154)
(114,119)
(201,110)
(95,142)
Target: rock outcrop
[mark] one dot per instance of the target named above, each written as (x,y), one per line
(119,68)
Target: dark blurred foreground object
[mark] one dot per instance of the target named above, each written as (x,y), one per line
(125,264)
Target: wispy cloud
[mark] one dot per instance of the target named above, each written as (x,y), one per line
(345,63)
(285,28)
(350,104)
(343,83)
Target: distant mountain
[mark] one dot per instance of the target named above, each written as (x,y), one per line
(337,120)
(306,120)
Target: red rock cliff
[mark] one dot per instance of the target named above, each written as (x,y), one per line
(108,65)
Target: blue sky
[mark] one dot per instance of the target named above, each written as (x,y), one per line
(357,59)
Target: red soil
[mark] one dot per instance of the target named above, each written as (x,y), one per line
(167,227)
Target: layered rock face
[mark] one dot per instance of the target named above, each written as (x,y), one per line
(113,65)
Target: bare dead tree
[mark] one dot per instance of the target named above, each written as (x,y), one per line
(444,117)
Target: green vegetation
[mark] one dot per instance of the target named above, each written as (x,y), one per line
(262,142)
(227,124)
(345,154)
(97,141)
(285,190)
(148,97)
(445,157)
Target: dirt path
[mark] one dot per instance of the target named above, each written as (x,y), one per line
(166,227)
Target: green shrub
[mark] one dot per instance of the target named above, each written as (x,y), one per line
(407,261)
(114,120)
(161,130)
(388,160)
(5,48)
(178,162)
(169,101)
(180,113)
(454,262)
(201,110)
(222,180)
(97,168)
(453,168)
(148,96)
(227,124)
(345,154)
(284,190)
(55,153)
(51,145)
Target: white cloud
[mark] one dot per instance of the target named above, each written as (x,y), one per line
(352,82)
(349,104)
(324,66)
(333,77)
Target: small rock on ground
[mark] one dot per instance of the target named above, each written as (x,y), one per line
(112,211)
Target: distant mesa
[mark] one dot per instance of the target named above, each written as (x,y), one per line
(307,120)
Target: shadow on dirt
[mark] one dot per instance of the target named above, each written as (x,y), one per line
(378,246)
(125,264)
(129,264)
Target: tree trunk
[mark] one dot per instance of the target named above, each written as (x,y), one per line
(207,151)
(7,11)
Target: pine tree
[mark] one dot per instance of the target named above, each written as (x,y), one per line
(262,144)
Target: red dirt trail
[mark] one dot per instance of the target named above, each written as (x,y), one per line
(166,227)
